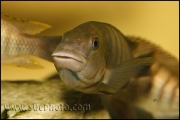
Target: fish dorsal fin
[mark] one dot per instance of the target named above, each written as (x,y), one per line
(26,26)
(117,77)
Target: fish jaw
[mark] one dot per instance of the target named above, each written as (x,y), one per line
(68,59)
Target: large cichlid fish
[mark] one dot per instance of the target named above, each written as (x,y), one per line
(20,45)
(128,72)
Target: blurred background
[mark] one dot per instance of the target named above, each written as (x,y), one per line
(157,22)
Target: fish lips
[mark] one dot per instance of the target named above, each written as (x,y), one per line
(68,59)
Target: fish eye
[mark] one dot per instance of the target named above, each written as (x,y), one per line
(94,43)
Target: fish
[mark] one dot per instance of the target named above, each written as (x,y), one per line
(21,45)
(80,64)
(127,72)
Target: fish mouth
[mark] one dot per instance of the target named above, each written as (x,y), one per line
(68,59)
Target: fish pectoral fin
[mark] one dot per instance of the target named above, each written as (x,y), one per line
(117,77)
(105,89)
(26,61)
(26,26)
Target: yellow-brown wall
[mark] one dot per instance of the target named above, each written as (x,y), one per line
(156,21)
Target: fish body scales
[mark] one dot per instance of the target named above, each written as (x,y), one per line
(14,43)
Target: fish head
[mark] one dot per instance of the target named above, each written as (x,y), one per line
(80,56)
(95,58)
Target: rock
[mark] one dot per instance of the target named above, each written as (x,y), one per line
(48,99)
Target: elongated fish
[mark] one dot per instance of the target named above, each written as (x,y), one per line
(20,45)
(97,58)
